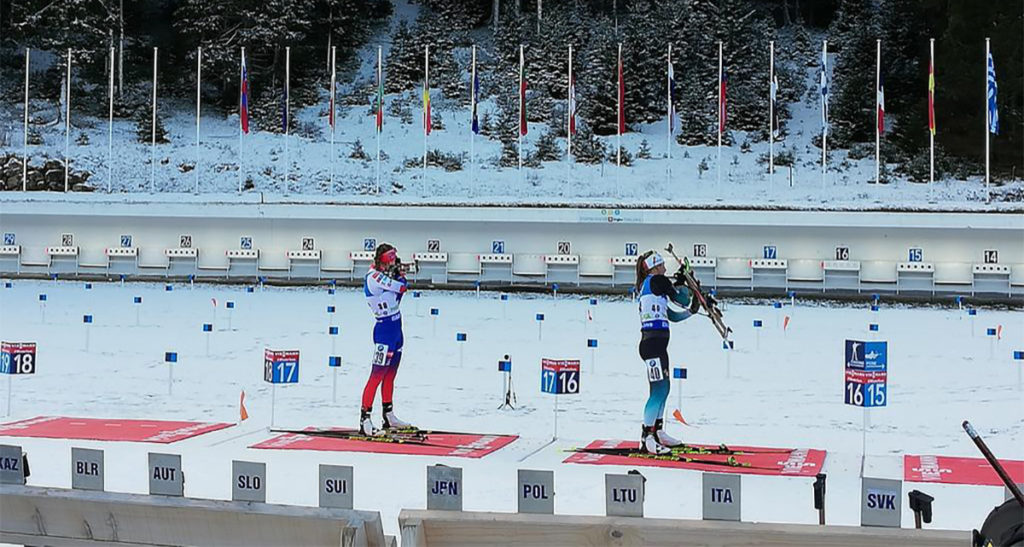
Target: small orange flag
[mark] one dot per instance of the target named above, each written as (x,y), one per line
(785,322)
(679,417)
(242,412)
(999,332)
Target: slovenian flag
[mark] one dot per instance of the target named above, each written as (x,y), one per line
(380,94)
(722,110)
(931,97)
(881,105)
(243,105)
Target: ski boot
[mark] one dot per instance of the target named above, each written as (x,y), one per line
(366,424)
(392,422)
(663,437)
(649,443)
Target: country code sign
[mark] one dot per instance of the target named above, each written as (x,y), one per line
(560,376)
(17,358)
(866,373)
(281,366)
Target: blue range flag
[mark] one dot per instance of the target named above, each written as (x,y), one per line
(332,330)
(231,305)
(504,366)
(757,323)
(42,298)
(679,373)
(873,326)
(592,342)
(988,332)
(88,319)
(435,311)
(972,311)
(476,100)
(540,317)
(1018,355)
(207,327)
(993,108)
(334,361)
(460,337)
(137,300)
(330,309)
(171,357)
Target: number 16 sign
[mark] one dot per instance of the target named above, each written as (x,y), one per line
(559,377)
(866,373)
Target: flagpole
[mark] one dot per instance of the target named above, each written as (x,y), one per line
(199,80)
(426,96)
(522,120)
(718,181)
(380,108)
(67,125)
(931,111)
(110,127)
(570,106)
(24,137)
(152,130)
(618,137)
(824,118)
(988,115)
(878,112)
(771,115)
(472,106)
(330,116)
(241,90)
(287,101)
(668,124)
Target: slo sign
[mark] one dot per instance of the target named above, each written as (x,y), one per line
(248,481)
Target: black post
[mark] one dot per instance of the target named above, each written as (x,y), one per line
(819,497)
(921,505)
(1012,486)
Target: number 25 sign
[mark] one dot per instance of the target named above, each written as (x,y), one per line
(560,376)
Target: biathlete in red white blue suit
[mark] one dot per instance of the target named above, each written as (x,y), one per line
(654,291)
(384,286)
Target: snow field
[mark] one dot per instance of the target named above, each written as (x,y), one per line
(785,393)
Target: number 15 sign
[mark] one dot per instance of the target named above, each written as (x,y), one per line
(560,376)
(866,373)
(281,366)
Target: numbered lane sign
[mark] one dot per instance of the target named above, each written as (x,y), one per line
(67,240)
(126,241)
(498,247)
(9,238)
(700,250)
(842,253)
(281,366)
(369,244)
(185,241)
(564,248)
(245,242)
(631,249)
(915,254)
(308,244)
(17,358)
(866,373)
(560,376)
(769,252)
(433,245)
(991,256)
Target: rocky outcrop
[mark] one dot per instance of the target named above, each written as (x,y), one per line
(46,177)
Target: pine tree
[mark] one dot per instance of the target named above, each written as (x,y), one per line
(853,83)
(547,147)
(597,79)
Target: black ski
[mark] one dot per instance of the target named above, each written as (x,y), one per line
(356,435)
(687,450)
(685,276)
(697,458)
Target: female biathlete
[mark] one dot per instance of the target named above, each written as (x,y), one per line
(654,291)
(384,286)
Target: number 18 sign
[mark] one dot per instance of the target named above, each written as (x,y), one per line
(560,376)
(866,373)
(17,358)
(281,366)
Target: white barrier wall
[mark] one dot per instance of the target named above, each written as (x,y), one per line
(927,252)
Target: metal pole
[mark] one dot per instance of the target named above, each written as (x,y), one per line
(241,84)
(426,98)
(152,144)
(878,104)
(568,122)
(988,114)
(170,379)
(824,119)
(472,106)
(771,115)
(24,144)
(10,388)
(287,104)
(67,125)
(522,106)
(273,403)
(668,124)
(110,128)
(931,134)
(718,180)
(330,115)
(199,94)
(380,108)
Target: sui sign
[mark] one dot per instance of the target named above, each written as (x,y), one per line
(866,373)
(560,376)
(281,366)
(18,358)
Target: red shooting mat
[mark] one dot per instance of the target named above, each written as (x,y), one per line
(465,445)
(953,470)
(101,429)
(795,462)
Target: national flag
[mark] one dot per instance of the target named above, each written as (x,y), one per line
(426,108)
(622,97)
(823,85)
(243,414)
(671,98)
(380,96)
(993,107)
(523,129)
(881,105)
(330,112)
(931,97)
(572,106)
(475,98)
(722,110)
(243,106)
(775,107)
(284,109)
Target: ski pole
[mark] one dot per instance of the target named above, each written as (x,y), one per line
(1012,486)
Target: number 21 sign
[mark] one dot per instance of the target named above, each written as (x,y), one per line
(560,376)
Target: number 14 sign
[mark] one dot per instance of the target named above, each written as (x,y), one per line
(560,376)
(281,366)
(866,373)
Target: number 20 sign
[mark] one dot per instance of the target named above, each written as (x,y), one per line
(18,358)
(281,366)
(560,376)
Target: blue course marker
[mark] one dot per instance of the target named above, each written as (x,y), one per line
(435,311)
(972,312)
(593,301)
(334,361)
(792,294)
(7,284)
(333,282)
(540,317)
(728,344)
(959,300)
(874,307)
(416,294)
(757,323)
(137,300)
(332,330)
(207,327)
(1018,356)
(873,327)
(231,305)
(53,277)
(42,298)
(777,305)
(504,297)
(460,337)
(679,373)
(592,342)
(168,288)
(330,291)
(990,332)
(171,357)
(88,286)
(88,319)
(250,289)
(330,309)
(504,366)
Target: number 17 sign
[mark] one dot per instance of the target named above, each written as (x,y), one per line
(560,376)
(866,373)
(281,366)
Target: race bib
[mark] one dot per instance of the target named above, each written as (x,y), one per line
(654,373)
(380,356)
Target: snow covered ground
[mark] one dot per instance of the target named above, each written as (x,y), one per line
(785,392)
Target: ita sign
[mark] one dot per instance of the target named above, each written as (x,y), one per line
(866,373)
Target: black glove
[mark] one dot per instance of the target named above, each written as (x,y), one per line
(694,303)
(678,279)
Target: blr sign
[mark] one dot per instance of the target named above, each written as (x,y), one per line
(86,469)
(866,373)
